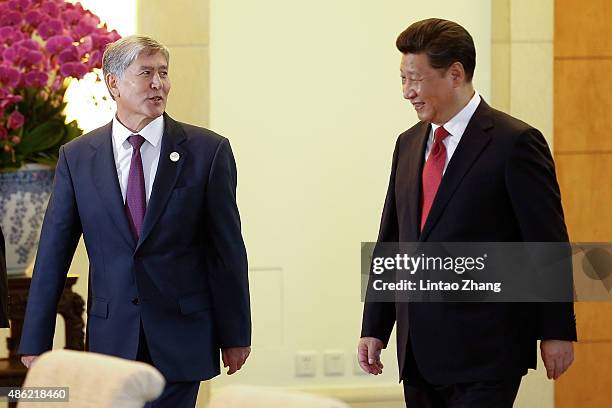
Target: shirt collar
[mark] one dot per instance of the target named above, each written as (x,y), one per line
(152,132)
(457,124)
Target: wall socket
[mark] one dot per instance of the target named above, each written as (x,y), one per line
(333,362)
(306,364)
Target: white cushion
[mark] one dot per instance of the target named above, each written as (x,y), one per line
(94,380)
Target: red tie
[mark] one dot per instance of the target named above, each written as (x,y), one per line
(432,172)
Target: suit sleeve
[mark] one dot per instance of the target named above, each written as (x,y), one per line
(379,317)
(229,270)
(58,240)
(536,200)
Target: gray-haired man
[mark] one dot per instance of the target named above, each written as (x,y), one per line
(155,202)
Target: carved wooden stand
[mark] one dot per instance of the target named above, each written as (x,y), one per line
(71,307)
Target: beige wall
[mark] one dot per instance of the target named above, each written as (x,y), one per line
(182,26)
(522,61)
(522,85)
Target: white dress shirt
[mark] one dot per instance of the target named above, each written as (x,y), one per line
(149,151)
(455,127)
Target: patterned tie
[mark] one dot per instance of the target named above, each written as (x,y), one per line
(432,172)
(135,200)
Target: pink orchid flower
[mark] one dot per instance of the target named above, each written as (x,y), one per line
(15,120)
(74,69)
(36,78)
(34,18)
(57,43)
(9,76)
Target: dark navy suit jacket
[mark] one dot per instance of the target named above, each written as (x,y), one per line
(499,186)
(186,277)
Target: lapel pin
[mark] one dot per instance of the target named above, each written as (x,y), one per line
(174,156)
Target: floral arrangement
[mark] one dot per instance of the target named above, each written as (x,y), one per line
(43,45)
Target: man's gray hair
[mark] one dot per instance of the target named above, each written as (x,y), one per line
(119,55)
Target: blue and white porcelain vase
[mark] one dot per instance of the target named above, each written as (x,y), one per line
(24,195)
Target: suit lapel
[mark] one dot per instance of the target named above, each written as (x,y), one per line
(104,173)
(166,176)
(412,169)
(474,140)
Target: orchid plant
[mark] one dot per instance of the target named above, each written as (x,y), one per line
(43,45)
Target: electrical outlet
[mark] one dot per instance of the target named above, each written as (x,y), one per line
(305,364)
(333,361)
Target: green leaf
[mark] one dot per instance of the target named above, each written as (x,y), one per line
(49,156)
(42,137)
(49,112)
(72,131)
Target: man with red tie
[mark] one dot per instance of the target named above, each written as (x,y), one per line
(155,201)
(465,173)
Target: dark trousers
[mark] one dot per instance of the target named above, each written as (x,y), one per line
(482,394)
(419,393)
(175,394)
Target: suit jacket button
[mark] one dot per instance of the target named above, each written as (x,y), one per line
(135,301)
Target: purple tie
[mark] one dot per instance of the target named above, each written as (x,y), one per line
(135,200)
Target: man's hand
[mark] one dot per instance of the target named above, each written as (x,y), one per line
(368,353)
(28,360)
(558,355)
(234,358)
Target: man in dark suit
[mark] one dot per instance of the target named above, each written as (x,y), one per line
(465,173)
(155,201)
(4,321)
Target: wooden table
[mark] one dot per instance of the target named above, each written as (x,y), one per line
(71,307)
